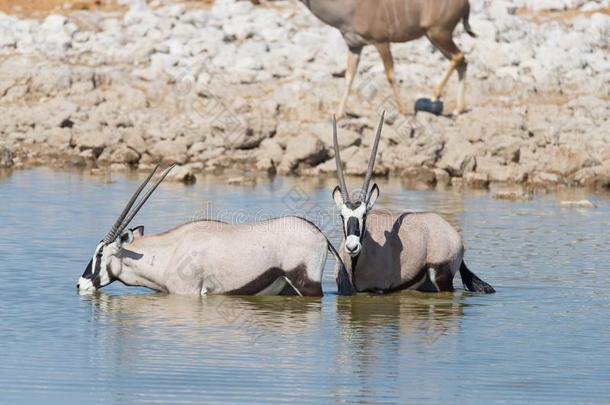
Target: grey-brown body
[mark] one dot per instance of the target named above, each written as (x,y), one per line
(385,252)
(281,256)
(381,22)
(211,257)
(415,251)
(275,257)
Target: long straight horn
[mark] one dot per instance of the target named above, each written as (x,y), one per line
(342,185)
(111,235)
(141,203)
(371,168)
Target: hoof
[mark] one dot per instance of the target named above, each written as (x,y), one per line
(339,116)
(458,111)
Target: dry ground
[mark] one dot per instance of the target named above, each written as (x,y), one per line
(42,8)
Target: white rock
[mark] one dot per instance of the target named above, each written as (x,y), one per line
(599,29)
(54,22)
(512,196)
(198,18)
(7,39)
(182,174)
(305,149)
(577,204)
(162,60)
(173,11)
(538,5)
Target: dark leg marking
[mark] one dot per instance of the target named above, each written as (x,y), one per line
(442,277)
(427,285)
(297,276)
(307,287)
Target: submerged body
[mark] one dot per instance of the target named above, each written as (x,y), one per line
(275,257)
(386,252)
(280,256)
(415,251)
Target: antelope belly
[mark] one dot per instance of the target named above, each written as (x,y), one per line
(274,288)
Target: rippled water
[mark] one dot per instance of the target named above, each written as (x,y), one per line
(544,336)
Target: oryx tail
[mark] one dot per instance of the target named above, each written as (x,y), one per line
(472,282)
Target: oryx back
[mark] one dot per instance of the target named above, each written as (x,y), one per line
(279,256)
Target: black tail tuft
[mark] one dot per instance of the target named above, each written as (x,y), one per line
(466,23)
(472,282)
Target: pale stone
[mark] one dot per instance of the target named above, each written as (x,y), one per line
(577,204)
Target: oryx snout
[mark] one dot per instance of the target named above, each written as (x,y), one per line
(352,232)
(85,284)
(90,280)
(353,245)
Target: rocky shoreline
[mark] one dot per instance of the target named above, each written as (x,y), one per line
(249,89)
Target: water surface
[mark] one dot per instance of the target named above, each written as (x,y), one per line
(543,337)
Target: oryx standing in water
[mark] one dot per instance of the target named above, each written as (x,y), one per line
(389,252)
(281,256)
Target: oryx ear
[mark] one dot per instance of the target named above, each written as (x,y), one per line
(126,237)
(337,197)
(138,231)
(372,197)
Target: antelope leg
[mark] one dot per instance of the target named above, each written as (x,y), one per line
(438,90)
(461,104)
(353,59)
(443,40)
(388,64)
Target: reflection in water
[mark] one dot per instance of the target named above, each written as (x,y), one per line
(4,175)
(379,329)
(240,319)
(542,336)
(419,316)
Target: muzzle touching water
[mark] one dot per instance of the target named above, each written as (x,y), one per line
(85,284)
(89,281)
(96,274)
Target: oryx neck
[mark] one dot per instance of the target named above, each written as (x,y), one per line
(145,262)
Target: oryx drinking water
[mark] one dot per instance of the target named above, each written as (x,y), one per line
(386,252)
(381,22)
(281,256)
